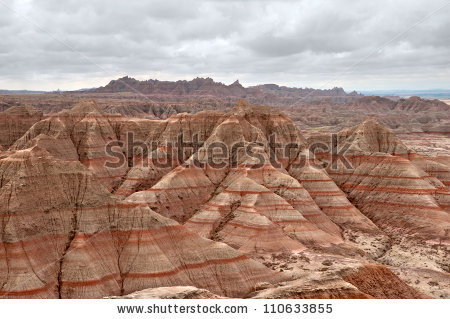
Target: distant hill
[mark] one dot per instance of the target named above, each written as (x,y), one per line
(266,93)
(197,86)
(413,104)
(301,93)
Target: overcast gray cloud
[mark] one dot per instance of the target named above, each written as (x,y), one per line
(50,44)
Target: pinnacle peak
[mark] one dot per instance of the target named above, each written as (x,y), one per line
(371,122)
(242,103)
(22,109)
(86,106)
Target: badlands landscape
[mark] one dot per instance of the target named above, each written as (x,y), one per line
(197,189)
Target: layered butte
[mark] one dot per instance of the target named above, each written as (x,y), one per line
(389,184)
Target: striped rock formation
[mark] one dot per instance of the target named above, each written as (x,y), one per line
(73,227)
(63,235)
(371,137)
(332,200)
(256,210)
(159,139)
(248,216)
(80,134)
(15,121)
(389,188)
(433,167)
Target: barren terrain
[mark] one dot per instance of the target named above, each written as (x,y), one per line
(255,203)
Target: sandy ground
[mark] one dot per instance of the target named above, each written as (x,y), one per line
(424,266)
(433,283)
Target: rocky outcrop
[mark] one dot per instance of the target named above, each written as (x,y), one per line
(63,235)
(15,121)
(432,167)
(80,134)
(198,86)
(332,200)
(416,104)
(413,104)
(370,137)
(253,219)
(379,282)
(208,87)
(302,94)
(256,210)
(386,186)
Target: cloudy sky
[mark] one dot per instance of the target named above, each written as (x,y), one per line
(72,44)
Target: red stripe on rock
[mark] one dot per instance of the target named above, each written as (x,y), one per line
(186,267)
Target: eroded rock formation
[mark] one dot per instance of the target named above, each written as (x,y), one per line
(15,121)
(267,210)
